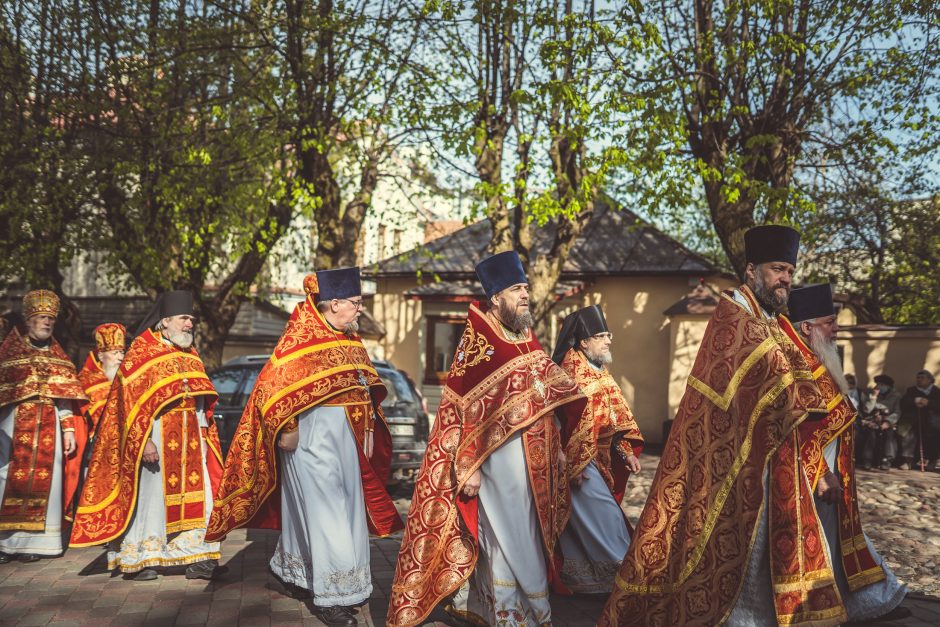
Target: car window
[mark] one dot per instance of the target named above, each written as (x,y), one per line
(397,385)
(251,375)
(225,382)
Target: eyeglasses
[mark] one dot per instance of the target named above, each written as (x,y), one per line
(355,303)
(603,336)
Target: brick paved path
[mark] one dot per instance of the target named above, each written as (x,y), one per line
(77,590)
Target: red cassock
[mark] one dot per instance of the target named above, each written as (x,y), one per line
(155,379)
(312,365)
(33,379)
(495,388)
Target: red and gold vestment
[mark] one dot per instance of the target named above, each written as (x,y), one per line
(96,385)
(495,388)
(607,419)
(32,379)
(155,379)
(860,566)
(749,390)
(312,365)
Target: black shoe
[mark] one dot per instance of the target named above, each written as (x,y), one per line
(206,569)
(29,557)
(896,614)
(147,574)
(5,558)
(885,465)
(336,615)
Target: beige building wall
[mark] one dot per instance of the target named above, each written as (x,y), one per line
(896,351)
(634,309)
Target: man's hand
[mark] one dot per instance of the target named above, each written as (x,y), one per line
(561,460)
(577,481)
(633,463)
(68,443)
(921,401)
(885,425)
(829,489)
(289,441)
(368,444)
(472,486)
(151,455)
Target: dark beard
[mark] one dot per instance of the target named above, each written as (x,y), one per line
(769,300)
(516,322)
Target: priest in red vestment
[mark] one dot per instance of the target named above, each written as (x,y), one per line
(100,367)
(312,452)
(42,435)
(868,587)
(490,495)
(156,459)
(729,534)
(601,454)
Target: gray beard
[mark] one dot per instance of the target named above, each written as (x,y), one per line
(768,299)
(183,339)
(111,371)
(517,323)
(599,360)
(352,328)
(827,354)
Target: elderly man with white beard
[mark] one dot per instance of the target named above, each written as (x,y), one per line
(157,460)
(868,587)
(100,368)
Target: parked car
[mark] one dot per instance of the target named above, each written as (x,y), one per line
(404,407)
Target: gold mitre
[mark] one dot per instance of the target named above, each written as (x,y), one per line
(110,336)
(40,303)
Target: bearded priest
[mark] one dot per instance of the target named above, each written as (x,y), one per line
(100,367)
(868,587)
(729,534)
(491,490)
(42,434)
(313,428)
(156,460)
(601,455)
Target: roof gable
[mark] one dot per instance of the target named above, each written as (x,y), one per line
(614,242)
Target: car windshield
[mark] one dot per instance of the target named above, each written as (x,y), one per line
(399,392)
(225,382)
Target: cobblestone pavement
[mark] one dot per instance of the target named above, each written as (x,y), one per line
(900,511)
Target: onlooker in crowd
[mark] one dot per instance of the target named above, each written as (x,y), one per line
(854,394)
(920,420)
(881,412)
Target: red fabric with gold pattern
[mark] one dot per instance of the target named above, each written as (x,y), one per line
(805,590)
(32,379)
(606,417)
(860,566)
(154,379)
(312,365)
(96,385)
(181,461)
(495,388)
(748,391)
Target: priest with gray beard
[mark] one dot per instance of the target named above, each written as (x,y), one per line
(868,588)
(156,461)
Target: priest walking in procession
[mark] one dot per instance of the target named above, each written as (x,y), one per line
(42,434)
(601,455)
(156,460)
(729,534)
(490,496)
(868,587)
(312,452)
(100,368)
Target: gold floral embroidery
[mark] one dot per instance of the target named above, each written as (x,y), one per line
(472,349)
